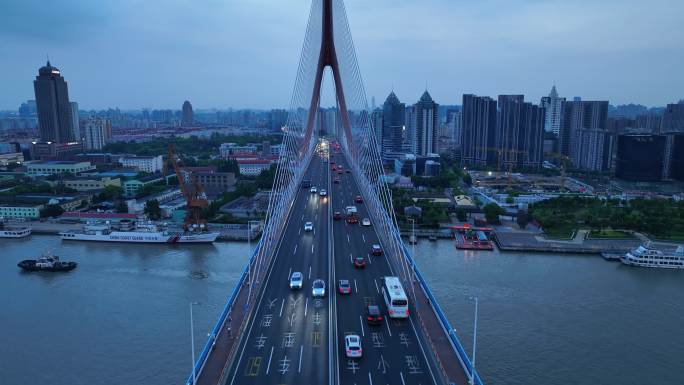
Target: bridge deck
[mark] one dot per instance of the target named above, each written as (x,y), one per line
(287,336)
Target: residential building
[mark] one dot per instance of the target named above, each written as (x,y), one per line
(187,115)
(228,150)
(90,183)
(640,157)
(553,105)
(519,139)
(426,125)
(57,167)
(393,125)
(133,186)
(55,151)
(77,135)
(253,167)
(149,164)
(97,132)
(54,110)
(673,118)
(478,136)
(20,210)
(377,124)
(584,137)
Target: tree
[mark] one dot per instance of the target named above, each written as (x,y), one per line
(152,209)
(467,179)
(51,211)
(522,218)
(492,212)
(461,215)
(121,207)
(228,165)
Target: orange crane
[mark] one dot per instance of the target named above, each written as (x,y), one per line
(509,165)
(192,191)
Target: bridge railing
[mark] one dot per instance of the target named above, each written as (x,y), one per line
(215,331)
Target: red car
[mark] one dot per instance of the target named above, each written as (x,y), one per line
(359,262)
(337,215)
(344,287)
(359,199)
(376,250)
(333,167)
(352,219)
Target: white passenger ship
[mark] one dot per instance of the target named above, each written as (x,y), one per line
(647,256)
(10,231)
(139,232)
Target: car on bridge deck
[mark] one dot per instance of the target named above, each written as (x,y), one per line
(351,219)
(296,280)
(313,189)
(337,215)
(352,346)
(348,171)
(343,286)
(360,262)
(358,199)
(365,222)
(332,161)
(308,226)
(336,180)
(323,193)
(373,316)
(376,250)
(318,288)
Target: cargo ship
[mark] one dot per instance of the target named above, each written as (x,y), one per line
(138,232)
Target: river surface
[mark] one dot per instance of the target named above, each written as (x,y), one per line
(123,315)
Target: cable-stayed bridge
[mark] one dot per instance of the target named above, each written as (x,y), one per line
(270,334)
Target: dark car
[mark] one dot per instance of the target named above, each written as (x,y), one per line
(336,180)
(351,219)
(343,286)
(348,171)
(337,215)
(359,262)
(373,316)
(376,250)
(359,199)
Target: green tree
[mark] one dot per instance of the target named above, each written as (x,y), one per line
(492,212)
(467,179)
(121,207)
(51,211)
(461,215)
(152,209)
(522,218)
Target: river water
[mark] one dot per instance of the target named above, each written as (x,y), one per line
(123,315)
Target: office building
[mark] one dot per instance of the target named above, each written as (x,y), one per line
(377,123)
(52,102)
(426,125)
(58,167)
(393,123)
(28,109)
(553,107)
(640,157)
(97,132)
(149,164)
(478,135)
(55,151)
(187,115)
(584,137)
(673,118)
(519,138)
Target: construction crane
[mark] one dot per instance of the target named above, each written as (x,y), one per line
(192,191)
(509,165)
(564,161)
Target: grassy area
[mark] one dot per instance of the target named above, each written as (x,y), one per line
(610,234)
(673,237)
(562,234)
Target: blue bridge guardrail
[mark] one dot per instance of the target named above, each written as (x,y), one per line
(451,332)
(204,355)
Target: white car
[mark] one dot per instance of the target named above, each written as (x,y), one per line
(308,226)
(352,346)
(296,280)
(318,288)
(323,193)
(313,189)
(365,222)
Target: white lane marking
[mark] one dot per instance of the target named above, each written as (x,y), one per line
(348,241)
(302,216)
(370,260)
(370,380)
(268,367)
(289,273)
(282,303)
(388,327)
(311,249)
(314,231)
(351,259)
(295,250)
(309,271)
(301,350)
(376,286)
(300,231)
(364,238)
(306,306)
(355,287)
(400,375)
(361,322)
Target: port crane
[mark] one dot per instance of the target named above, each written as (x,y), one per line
(192,191)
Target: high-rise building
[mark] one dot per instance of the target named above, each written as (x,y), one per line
(584,137)
(478,135)
(52,102)
(673,118)
(187,116)
(426,125)
(393,124)
(519,138)
(377,123)
(640,157)
(74,121)
(97,132)
(552,105)
(28,109)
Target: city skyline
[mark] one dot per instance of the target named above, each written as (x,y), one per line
(487,49)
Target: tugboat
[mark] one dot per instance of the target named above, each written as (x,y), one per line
(47,263)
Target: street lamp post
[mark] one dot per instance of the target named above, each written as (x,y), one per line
(192,345)
(472,370)
(249,261)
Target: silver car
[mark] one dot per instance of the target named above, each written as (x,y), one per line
(352,346)
(296,280)
(318,288)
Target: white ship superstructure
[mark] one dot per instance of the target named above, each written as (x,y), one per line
(648,256)
(140,232)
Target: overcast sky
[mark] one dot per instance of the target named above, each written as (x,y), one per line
(244,53)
